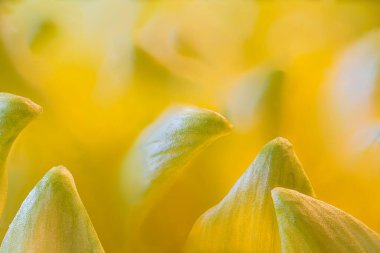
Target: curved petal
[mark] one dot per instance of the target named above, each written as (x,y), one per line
(161,153)
(15,113)
(310,225)
(256,100)
(52,219)
(244,221)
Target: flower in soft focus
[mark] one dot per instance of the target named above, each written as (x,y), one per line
(158,107)
(267,210)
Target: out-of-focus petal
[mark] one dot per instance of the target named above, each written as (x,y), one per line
(351,98)
(190,47)
(255,98)
(244,221)
(52,219)
(310,225)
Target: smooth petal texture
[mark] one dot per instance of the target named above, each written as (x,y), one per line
(244,221)
(310,225)
(190,47)
(167,146)
(15,113)
(159,155)
(256,100)
(52,219)
(351,98)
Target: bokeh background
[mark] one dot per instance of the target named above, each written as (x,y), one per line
(105,69)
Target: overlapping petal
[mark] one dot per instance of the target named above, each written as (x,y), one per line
(244,221)
(310,225)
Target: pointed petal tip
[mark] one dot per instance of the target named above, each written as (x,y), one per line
(52,219)
(19,103)
(59,171)
(280,153)
(247,210)
(280,143)
(59,177)
(219,119)
(280,194)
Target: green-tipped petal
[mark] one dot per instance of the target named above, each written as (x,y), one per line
(52,219)
(15,113)
(159,155)
(308,225)
(168,145)
(245,221)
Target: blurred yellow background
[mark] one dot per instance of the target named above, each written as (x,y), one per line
(104,69)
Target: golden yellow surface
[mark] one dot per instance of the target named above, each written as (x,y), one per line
(103,70)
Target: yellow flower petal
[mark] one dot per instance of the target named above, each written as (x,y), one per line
(15,113)
(159,155)
(351,99)
(52,219)
(310,225)
(196,54)
(167,146)
(256,99)
(244,221)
